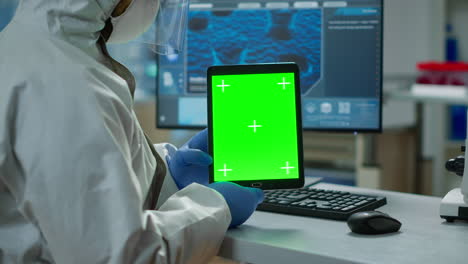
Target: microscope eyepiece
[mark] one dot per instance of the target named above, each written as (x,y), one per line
(456,165)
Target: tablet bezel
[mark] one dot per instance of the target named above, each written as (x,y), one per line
(259,69)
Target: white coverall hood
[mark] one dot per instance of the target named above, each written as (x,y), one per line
(78,22)
(75,166)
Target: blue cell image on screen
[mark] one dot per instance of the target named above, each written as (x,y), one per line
(254,36)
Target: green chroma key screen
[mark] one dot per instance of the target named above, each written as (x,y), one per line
(254,127)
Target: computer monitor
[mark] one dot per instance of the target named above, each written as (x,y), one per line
(337,45)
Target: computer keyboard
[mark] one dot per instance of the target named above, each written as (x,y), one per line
(329,204)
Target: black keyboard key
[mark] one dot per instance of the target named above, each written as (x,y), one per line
(324,207)
(360,203)
(283,199)
(297,196)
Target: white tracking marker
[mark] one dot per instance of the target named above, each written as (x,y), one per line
(225,170)
(222,85)
(284,83)
(287,168)
(255,126)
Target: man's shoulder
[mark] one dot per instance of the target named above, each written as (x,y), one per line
(50,64)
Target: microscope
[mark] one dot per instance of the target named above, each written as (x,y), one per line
(454,206)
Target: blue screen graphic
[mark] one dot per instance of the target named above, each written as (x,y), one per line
(222,37)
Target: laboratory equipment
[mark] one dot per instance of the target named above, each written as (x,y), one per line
(454,205)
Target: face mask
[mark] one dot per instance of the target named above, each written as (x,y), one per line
(136,20)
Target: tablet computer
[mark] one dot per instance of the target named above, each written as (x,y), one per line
(255,126)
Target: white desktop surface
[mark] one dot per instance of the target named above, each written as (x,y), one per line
(423,238)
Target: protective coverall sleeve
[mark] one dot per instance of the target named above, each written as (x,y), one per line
(169,186)
(83,194)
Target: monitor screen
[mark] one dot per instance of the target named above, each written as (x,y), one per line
(337,45)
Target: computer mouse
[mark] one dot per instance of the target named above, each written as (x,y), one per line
(373,223)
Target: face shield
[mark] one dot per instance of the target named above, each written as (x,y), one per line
(160,24)
(166,35)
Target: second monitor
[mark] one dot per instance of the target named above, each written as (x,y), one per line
(337,45)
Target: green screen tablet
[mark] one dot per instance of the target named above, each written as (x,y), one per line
(255,130)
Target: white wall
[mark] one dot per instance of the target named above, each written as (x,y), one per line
(413,32)
(457,15)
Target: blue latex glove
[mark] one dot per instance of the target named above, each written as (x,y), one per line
(242,201)
(190,163)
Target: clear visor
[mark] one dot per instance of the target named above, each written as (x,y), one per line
(167,33)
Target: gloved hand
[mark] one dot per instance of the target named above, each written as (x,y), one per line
(242,201)
(190,163)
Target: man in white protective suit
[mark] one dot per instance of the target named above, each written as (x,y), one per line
(79,181)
